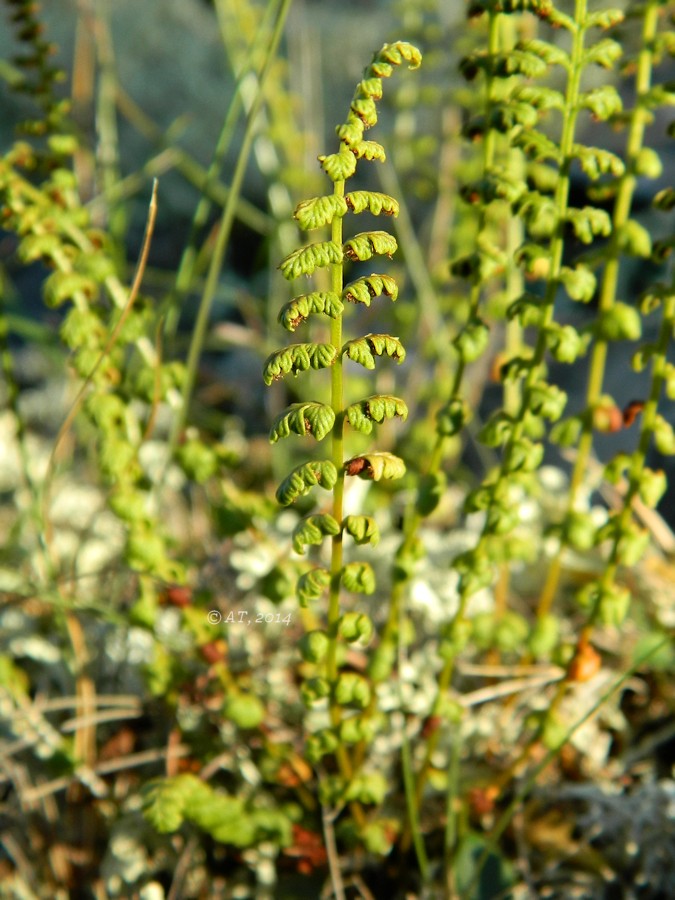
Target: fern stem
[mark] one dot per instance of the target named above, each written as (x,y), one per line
(608,288)
(451,826)
(639,456)
(534,372)
(489,151)
(337,453)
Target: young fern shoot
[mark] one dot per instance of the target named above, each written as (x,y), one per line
(323,420)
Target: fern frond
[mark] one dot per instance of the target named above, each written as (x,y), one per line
(307,260)
(339,166)
(294,313)
(370,243)
(376,466)
(589,222)
(604,54)
(363,529)
(373,201)
(359,578)
(363,290)
(369,150)
(311,531)
(298,358)
(309,417)
(312,584)
(304,477)
(364,350)
(361,415)
(319,211)
(596,162)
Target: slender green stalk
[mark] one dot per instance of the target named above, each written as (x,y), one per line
(609,284)
(412,807)
(407,767)
(561,196)
(337,401)
(107,123)
(224,232)
(414,521)
(414,514)
(192,170)
(337,457)
(451,825)
(188,262)
(609,603)
(471,577)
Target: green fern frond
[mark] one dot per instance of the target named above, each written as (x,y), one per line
(312,584)
(305,418)
(363,290)
(364,350)
(376,466)
(377,408)
(320,211)
(294,313)
(373,201)
(312,530)
(358,578)
(370,243)
(307,260)
(298,358)
(363,529)
(304,477)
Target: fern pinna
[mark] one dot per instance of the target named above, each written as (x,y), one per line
(321,420)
